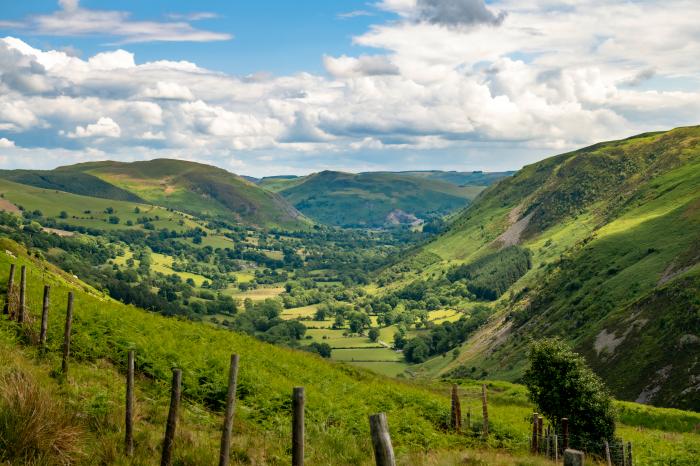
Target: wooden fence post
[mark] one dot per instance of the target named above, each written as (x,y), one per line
(224,453)
(22,294)
(547,450)
(607,453)
(66,334)
(540,433)
(169,440)
(629,454)
(298,427)
(556,449)
(485,408)
(565,432)
(456,412)
(129,418)
(44,315)
(469,419)
(10,288)
(381,440)
(534,444)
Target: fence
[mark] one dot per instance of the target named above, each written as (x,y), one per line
(547,442)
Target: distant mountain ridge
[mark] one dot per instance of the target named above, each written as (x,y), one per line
(375,199)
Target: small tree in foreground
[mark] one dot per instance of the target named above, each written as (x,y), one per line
(562,385)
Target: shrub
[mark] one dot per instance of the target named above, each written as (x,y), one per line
(562,385)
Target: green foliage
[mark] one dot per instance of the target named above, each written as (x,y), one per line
(562,386)
(490,276)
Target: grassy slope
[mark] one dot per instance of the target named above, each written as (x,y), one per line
(367,198)
(338,397)
(194,188)
(607,223)
(52,202)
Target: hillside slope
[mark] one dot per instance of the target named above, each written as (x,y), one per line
(372,199)
(614,232)
(185,186)
(88,402)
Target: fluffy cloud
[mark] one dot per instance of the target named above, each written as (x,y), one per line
(73,20)
(168,90)
(104,128)
(432,93)
(364,65)
(6,143)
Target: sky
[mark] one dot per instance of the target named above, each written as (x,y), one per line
(278,87)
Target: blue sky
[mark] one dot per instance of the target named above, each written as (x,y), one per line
(279,37)
(279,87)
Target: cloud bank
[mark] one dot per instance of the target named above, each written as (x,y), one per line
(464,90)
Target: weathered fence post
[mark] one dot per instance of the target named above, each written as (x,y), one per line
(381,440)
(608,460)
(556,448)
(534,444)
(485,408)
(66,334)
(298,427)
(573,458)
(547,448)
(540,434)
(456,410)
(469,419)
(44,316)
(10,288)
(22,294)
(629,454)
(129,418)
(169,440)
(565,432)
(224,453)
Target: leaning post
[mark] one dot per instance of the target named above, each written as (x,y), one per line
(22,294)
(170,428)
(456,413)
(381,440)
(298,427)
(224,453)
(66,334)
(44,315)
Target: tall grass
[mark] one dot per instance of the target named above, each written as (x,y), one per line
(34,427)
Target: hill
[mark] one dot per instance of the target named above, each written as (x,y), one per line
(371,199)
(185,186)
(84,409)
(613,234)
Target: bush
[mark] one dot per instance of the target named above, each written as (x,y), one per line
(563,386)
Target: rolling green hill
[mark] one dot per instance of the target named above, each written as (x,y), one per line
(614,234)
(371,199)
(185,186)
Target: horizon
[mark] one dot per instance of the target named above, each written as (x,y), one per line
(394,85)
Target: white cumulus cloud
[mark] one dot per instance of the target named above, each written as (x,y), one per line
(104,128)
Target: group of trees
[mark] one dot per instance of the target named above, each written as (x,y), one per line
(490,276)
(442,338)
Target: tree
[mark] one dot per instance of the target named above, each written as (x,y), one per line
(373,335)
(562,385)
(63,214)
(114,220)
(399,340)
